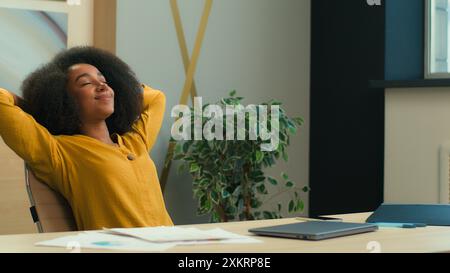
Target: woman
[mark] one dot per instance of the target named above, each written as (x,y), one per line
(85,127)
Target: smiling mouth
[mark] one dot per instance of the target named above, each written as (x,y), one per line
(103,97)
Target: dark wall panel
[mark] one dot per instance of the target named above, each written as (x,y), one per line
(347,117)
(405,36)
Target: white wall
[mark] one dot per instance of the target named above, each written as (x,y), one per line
(261,48)
(417,123)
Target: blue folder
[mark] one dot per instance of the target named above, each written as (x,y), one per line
(432,215)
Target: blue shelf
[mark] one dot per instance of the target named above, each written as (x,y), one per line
(409,83)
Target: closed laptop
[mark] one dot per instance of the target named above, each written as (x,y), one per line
(315,230)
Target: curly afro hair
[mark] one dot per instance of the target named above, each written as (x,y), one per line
(47,99)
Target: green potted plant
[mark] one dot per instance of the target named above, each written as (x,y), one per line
(228,175)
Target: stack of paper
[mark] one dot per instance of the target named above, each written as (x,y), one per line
(99,240)
(153,239)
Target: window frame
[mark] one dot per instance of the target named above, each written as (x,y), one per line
(428,46)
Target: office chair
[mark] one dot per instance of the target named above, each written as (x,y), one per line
(50,210)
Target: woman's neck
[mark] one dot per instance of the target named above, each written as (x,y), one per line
(98,131)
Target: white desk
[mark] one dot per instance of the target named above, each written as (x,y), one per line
(428,239)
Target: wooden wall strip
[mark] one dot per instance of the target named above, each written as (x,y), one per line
(105,13)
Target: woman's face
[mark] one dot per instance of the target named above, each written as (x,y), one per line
(90,89)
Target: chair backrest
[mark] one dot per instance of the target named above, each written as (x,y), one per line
(50,210)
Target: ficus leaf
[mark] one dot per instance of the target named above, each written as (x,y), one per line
(186,147)
(291,206)
(272,181)
(285,156)
(261,188)
(259,179)
(194,167)
(203,201)
(298,120)
(178,148)
(293,129)
(300,205)
(225,193)
(267,215)
(259,156)
(237,191)
(289,184)
(214,197)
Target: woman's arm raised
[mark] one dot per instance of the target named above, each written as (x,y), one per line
(149,123)
(27,138)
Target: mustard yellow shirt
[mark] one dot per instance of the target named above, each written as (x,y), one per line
(106,186)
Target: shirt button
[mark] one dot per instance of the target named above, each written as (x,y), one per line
(131,157)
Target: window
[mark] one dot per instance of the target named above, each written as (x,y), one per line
(437,51)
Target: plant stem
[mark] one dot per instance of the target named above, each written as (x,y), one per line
(279,193)
(246,193)
(222,214)
(247,208)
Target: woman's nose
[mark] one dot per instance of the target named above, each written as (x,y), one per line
(101,86)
